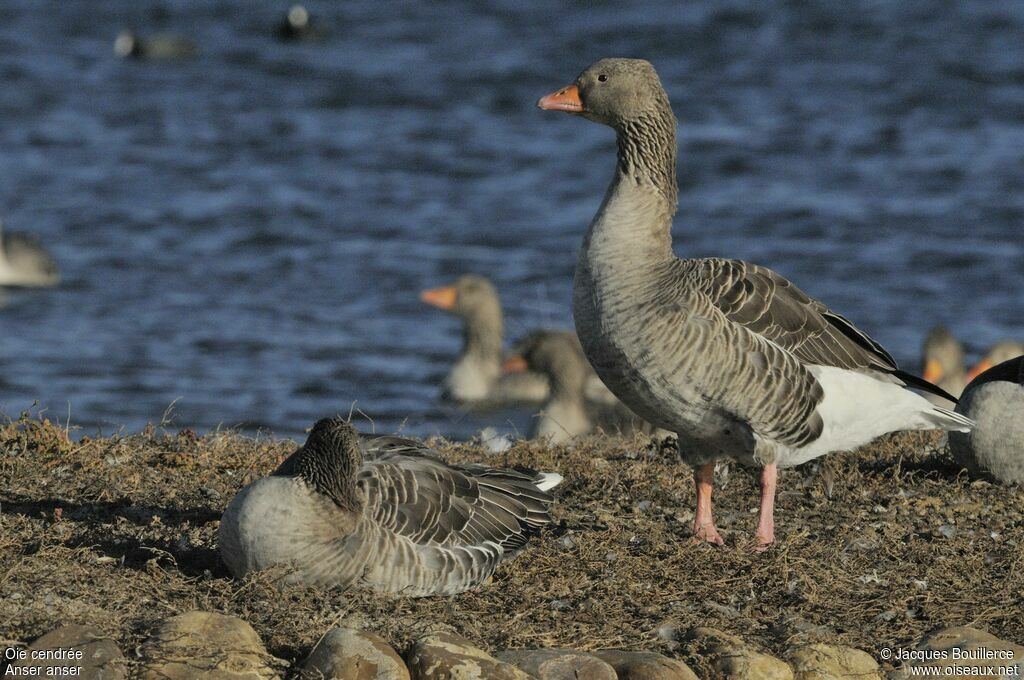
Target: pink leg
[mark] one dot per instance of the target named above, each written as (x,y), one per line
(704,524)
(766,518)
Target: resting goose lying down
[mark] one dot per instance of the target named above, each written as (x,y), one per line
(382,512)
(994,449)
(731,356)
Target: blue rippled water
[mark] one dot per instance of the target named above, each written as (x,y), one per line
(244,233)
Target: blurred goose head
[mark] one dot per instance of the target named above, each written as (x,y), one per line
(475,379)
(555,354)
(942,358)
(472,298)
(997,354)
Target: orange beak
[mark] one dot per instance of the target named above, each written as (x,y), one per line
(932,371)
(442,298)
(566,99)
(514,364)
(980,368)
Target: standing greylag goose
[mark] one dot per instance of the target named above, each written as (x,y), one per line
(568,413)
(476,378)
(995,401)
(25,263)
(382,512)
(942,363)
(997,354)
(731,356)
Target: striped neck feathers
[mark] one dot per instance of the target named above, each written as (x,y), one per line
(647,151)
(482,334)
(329,462)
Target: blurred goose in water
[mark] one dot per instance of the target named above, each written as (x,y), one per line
(730,355)
(942,359)
(476,378)
(568,413)
(157,47)
(382,512)
(995,401)
(297,25)
(997,354)
(25,263)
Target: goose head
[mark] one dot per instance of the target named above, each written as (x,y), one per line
(470,297)
(627,95)
(612,92)
(555,354)
(999,353)
(942,356)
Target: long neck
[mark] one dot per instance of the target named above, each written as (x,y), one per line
(647,153)
(634,223)
(329,468)
(567,382)
(482,335)
(565,412)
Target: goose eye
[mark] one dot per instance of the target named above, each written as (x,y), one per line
(602,78)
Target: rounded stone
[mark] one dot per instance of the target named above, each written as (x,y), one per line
(443,656)
(645,665)
(970,650)
(559,664)
(824,662)
(205,645)
(350,654)
(730,657)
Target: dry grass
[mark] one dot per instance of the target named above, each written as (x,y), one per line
(877,547)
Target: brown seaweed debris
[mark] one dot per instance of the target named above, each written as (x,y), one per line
(876,548)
